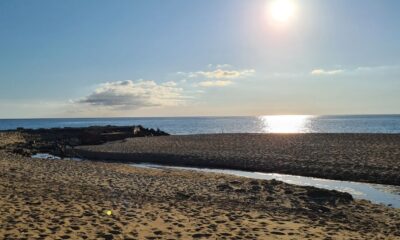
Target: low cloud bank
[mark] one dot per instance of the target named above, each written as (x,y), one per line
(130,94)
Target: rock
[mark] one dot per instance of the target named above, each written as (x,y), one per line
(331,196)
(56,140)
(136,130)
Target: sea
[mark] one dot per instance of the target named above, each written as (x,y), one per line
(250,124)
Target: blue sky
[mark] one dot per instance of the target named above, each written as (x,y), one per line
(205,57)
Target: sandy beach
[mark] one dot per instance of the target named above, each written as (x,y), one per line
(373,158)
(63,199)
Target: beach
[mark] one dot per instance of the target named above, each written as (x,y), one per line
(64,199)
(373,158)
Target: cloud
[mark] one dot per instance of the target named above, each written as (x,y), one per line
(219,77)
(377,69)
(217,83)
(130,94)
(319,72)
(383,69)
(222,74)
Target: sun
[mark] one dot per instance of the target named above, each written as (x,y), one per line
(282,10)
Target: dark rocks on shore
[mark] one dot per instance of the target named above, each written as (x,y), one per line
(56,140)
(328,196)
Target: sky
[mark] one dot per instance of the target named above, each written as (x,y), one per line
(98,58)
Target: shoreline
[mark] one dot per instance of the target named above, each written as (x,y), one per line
(388,195)
(370,158)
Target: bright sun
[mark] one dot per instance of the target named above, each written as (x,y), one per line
(282,10)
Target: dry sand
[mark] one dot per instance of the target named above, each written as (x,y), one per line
(60,199)
(371,158)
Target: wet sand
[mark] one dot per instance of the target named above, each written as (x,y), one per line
(60,199)
(373,158)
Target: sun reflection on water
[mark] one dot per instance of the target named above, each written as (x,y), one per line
(285,123)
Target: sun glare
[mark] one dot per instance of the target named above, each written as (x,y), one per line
(281,10)
(285,123)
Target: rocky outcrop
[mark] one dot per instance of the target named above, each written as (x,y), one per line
(328,196)
(56,141)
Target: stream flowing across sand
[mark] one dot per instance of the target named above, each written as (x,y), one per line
(376,193)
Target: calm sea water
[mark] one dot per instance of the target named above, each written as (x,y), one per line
(261,124)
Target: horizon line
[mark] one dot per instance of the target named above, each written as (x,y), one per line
(205,116)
